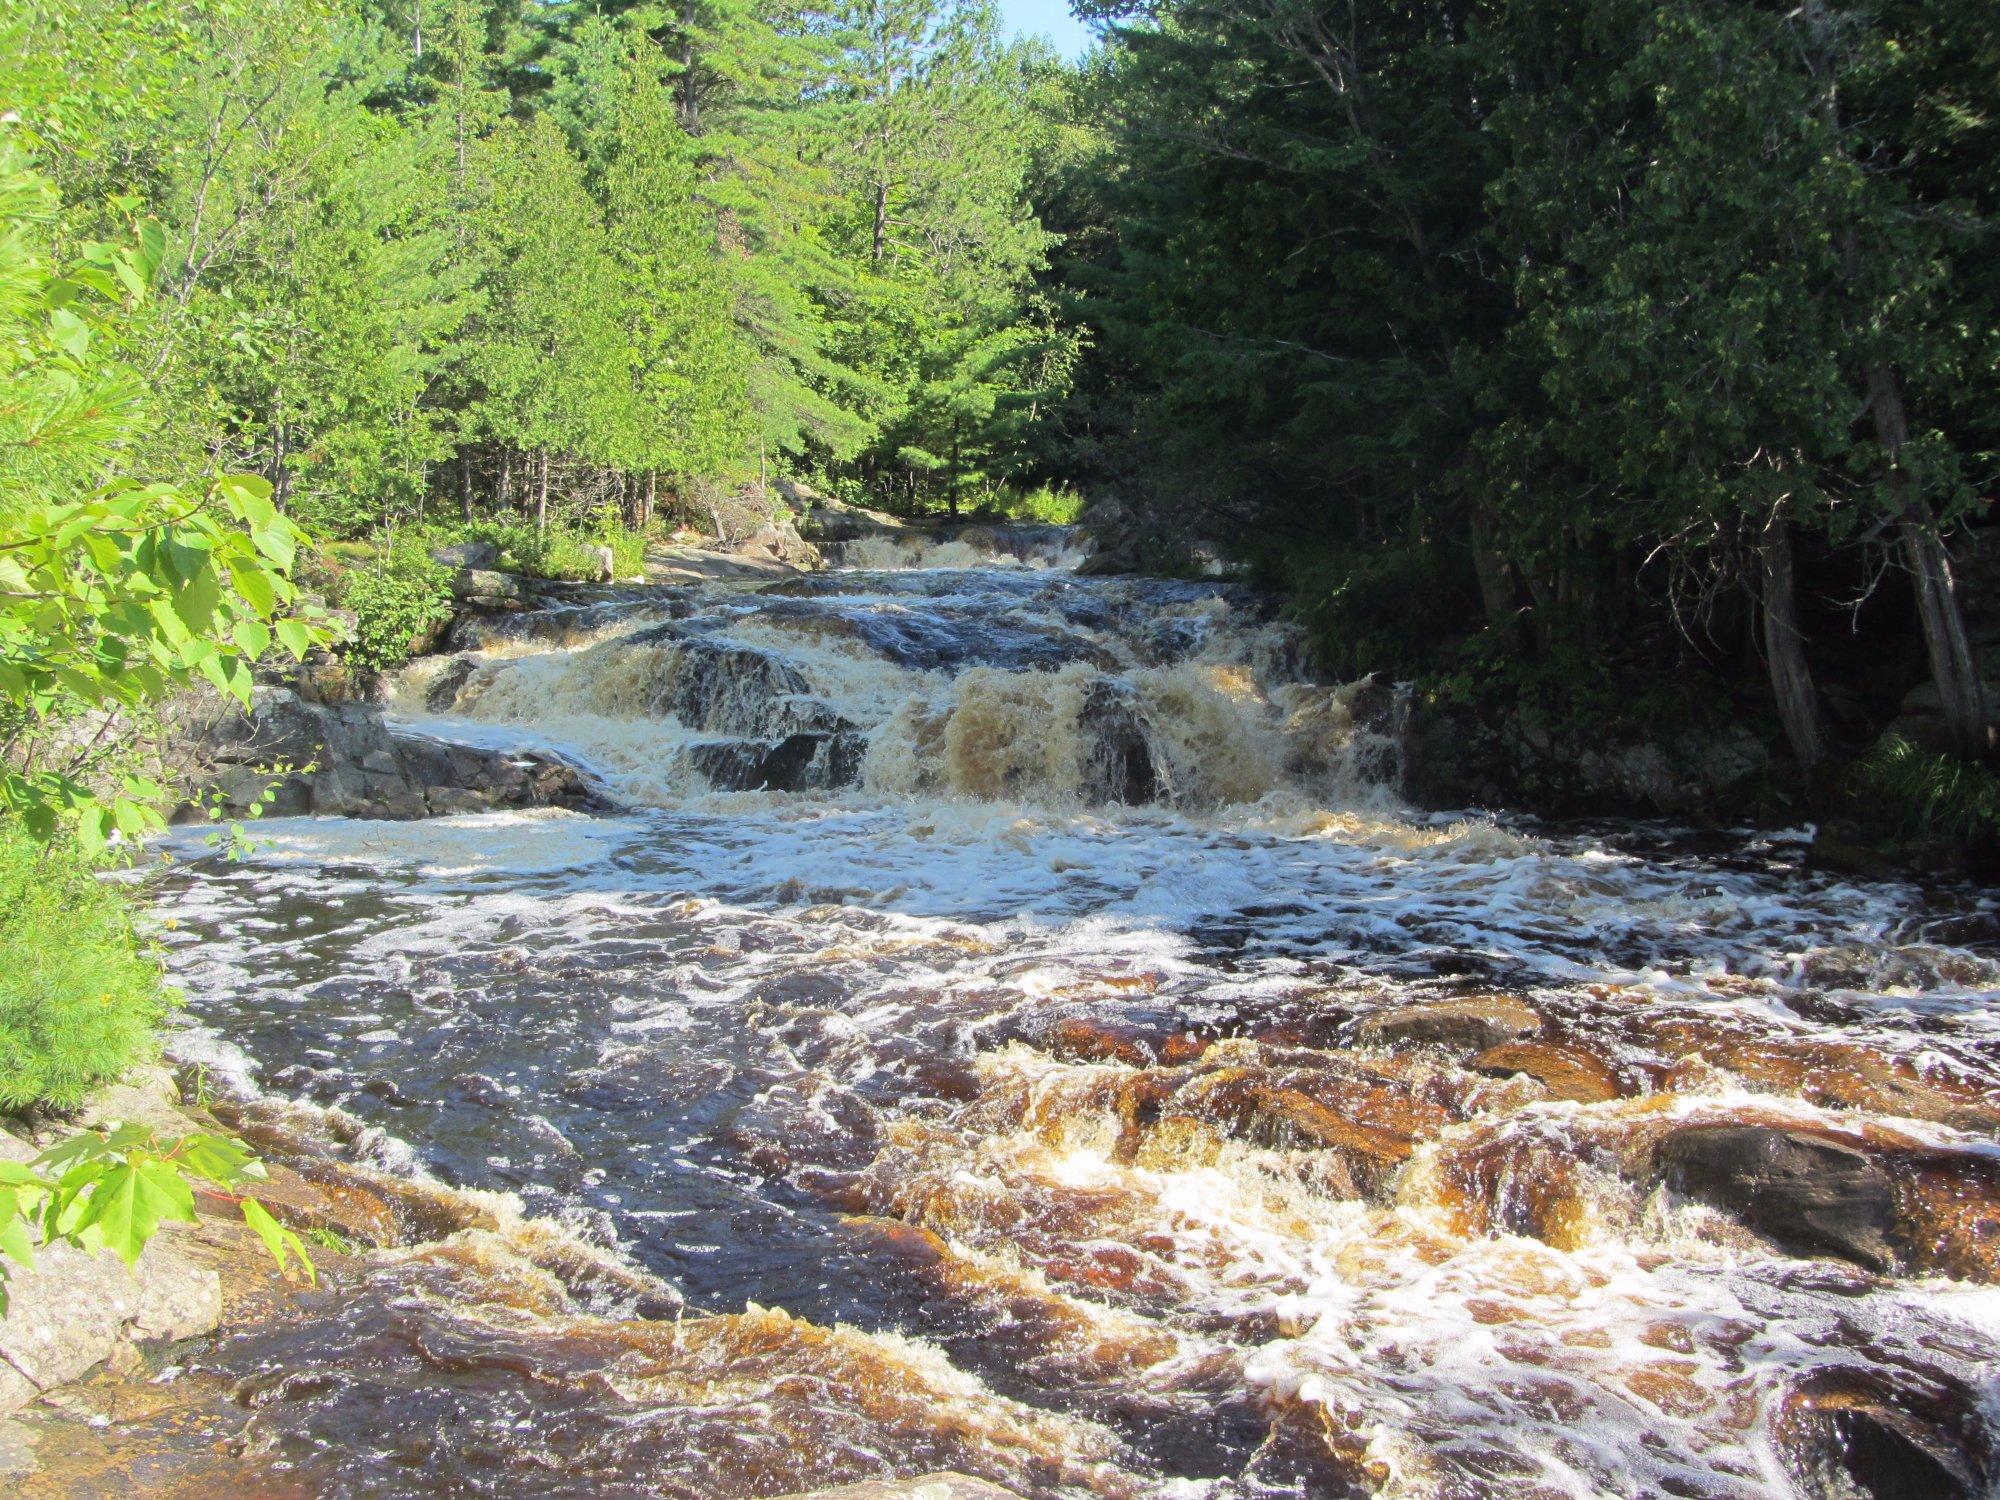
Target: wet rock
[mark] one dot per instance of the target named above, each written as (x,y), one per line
(1136,1038)
(1478,1024)
(1807,1194)
(1846,1441)
(487,588)
(797,763)
(926,1487)
(359,767)
(735,690)
(1119,765)
(441,695)
(1566,1072)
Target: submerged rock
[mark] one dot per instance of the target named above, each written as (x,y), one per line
(926,1487)
(1473,1025)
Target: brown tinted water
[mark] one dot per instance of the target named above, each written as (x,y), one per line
(1101,1085)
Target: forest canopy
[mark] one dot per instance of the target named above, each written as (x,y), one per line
(1493,330)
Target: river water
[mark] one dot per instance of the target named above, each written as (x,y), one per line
(1086,1074)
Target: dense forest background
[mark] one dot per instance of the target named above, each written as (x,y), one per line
(1565,352)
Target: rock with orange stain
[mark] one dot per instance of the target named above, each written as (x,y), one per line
(1855,1436)
(1947,1213)
(1566,1071)
(1475,1024)
(1504,1181)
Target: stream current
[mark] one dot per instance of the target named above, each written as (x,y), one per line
(1011,1015)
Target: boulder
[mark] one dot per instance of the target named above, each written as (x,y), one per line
(71,1310)
(464,555)
(1807,1194)
(778,540)
(815,761)
(441,693)
(607,563)
(485,588)
(735,690)
(1566,1072)
(1477,1024)
(343,760)
(1120,766)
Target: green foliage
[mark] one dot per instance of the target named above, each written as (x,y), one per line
(1053,505)
(113,1190)
(1916,794)
(1367,609)
(79,998)
(118,591)
(396,602)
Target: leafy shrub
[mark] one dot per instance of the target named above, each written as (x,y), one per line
(1055,505)
(395,602)
(112,1190)
(628,547)
(562,551)
(1918,794)
(79,998)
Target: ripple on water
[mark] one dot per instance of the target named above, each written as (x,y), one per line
(1273,1143)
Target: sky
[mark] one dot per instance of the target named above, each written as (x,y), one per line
(1049,18)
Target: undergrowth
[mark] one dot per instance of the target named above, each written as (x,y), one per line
(79,995)
(1919,794)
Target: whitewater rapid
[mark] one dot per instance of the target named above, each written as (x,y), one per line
(1257,1136)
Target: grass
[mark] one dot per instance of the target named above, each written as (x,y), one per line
(80,998)
(1919,794)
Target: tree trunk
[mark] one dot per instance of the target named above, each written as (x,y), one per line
(281,477)
(881,239)
(1496,589)
(1961,696)
(465,484)
(1784,646)
(1952,667)
(652,493)
(952,498)
(542,496)
(506,477)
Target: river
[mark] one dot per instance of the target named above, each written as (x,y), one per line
(1088,1075)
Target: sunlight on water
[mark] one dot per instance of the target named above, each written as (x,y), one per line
(1155,1104)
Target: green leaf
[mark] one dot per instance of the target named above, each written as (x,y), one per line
(215,1158)
(277,1239)
(70,332)
(128,1204)
(254,584)
(294,636)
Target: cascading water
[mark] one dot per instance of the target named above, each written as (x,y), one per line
(1026,988)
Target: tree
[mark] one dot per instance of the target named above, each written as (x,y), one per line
(115,591)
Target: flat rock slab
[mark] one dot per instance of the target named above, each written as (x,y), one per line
(1476,1024)
(698,565)
(928,1487)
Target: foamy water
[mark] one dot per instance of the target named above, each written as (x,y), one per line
(1104,1128)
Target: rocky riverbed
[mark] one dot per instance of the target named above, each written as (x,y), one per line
(1008,1022)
